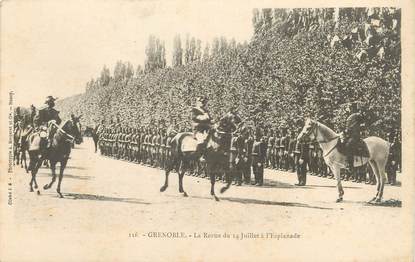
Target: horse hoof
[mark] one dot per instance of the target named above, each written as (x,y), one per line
(378,200)
(38,192)
(36,186)
(31,190)
(216,198)
(60,195)
(46,187)
(340,199)
(163,188)
(223,189)
(185,194)
(372,200)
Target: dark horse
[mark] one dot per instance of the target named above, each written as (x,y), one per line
(20,143)
(183,152)
(65,135)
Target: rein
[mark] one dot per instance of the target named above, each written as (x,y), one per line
(71,138)
(325,141)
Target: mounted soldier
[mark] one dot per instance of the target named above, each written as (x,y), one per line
(202,121)
(46,116)
(351,137)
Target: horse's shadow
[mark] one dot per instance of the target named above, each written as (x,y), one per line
(265,202)
(268,183)
(65,175)
(349,187)
(270,203)
(75,167)
(76,196)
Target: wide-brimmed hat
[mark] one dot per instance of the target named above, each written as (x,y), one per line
(50,99)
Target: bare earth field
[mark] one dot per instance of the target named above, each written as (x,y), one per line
(111,208)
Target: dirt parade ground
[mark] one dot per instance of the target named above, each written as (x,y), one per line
(113,211)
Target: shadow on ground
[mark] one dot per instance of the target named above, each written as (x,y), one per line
(351,187)
(263,202)
(387,203)
(75,196)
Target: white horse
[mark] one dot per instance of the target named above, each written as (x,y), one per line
(328,140)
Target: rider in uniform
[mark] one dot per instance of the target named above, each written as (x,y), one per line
(352,133)
(47,114)
(202,121)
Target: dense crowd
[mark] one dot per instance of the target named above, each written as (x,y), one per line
(300,63)
(250,152)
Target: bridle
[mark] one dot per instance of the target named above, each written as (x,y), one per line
(314,129)
(69,137)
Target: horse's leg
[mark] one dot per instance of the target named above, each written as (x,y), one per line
(229,176)
(181,175)
(166,181)
(381,170)
(380,178)
(62,167)
(24,160)
(336,172)
(212,175)
(53,169)
(36,165)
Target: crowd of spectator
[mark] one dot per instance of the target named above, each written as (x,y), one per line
(299,63)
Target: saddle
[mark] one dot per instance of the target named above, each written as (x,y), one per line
(357,149)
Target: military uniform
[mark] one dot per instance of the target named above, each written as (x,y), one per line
(270,151)
(392,163)
(258,159)
(246,170)
(291,149)
(302,151)
(277,151)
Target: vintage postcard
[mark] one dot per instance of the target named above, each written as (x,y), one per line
(207,130)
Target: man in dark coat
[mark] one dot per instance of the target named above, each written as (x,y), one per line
(49,113)
(202,121)
(352,137)
(45,115)
(259,152)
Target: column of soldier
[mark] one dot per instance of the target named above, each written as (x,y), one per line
(272,149)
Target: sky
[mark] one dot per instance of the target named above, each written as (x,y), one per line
(55,47)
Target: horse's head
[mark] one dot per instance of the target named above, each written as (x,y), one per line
(73,128)
(308,130)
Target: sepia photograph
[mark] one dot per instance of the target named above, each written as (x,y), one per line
(206,131)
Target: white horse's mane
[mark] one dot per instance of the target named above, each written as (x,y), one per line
(325,130)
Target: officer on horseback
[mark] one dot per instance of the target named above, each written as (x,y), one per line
(201,121)
(352,133)
(48,114)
